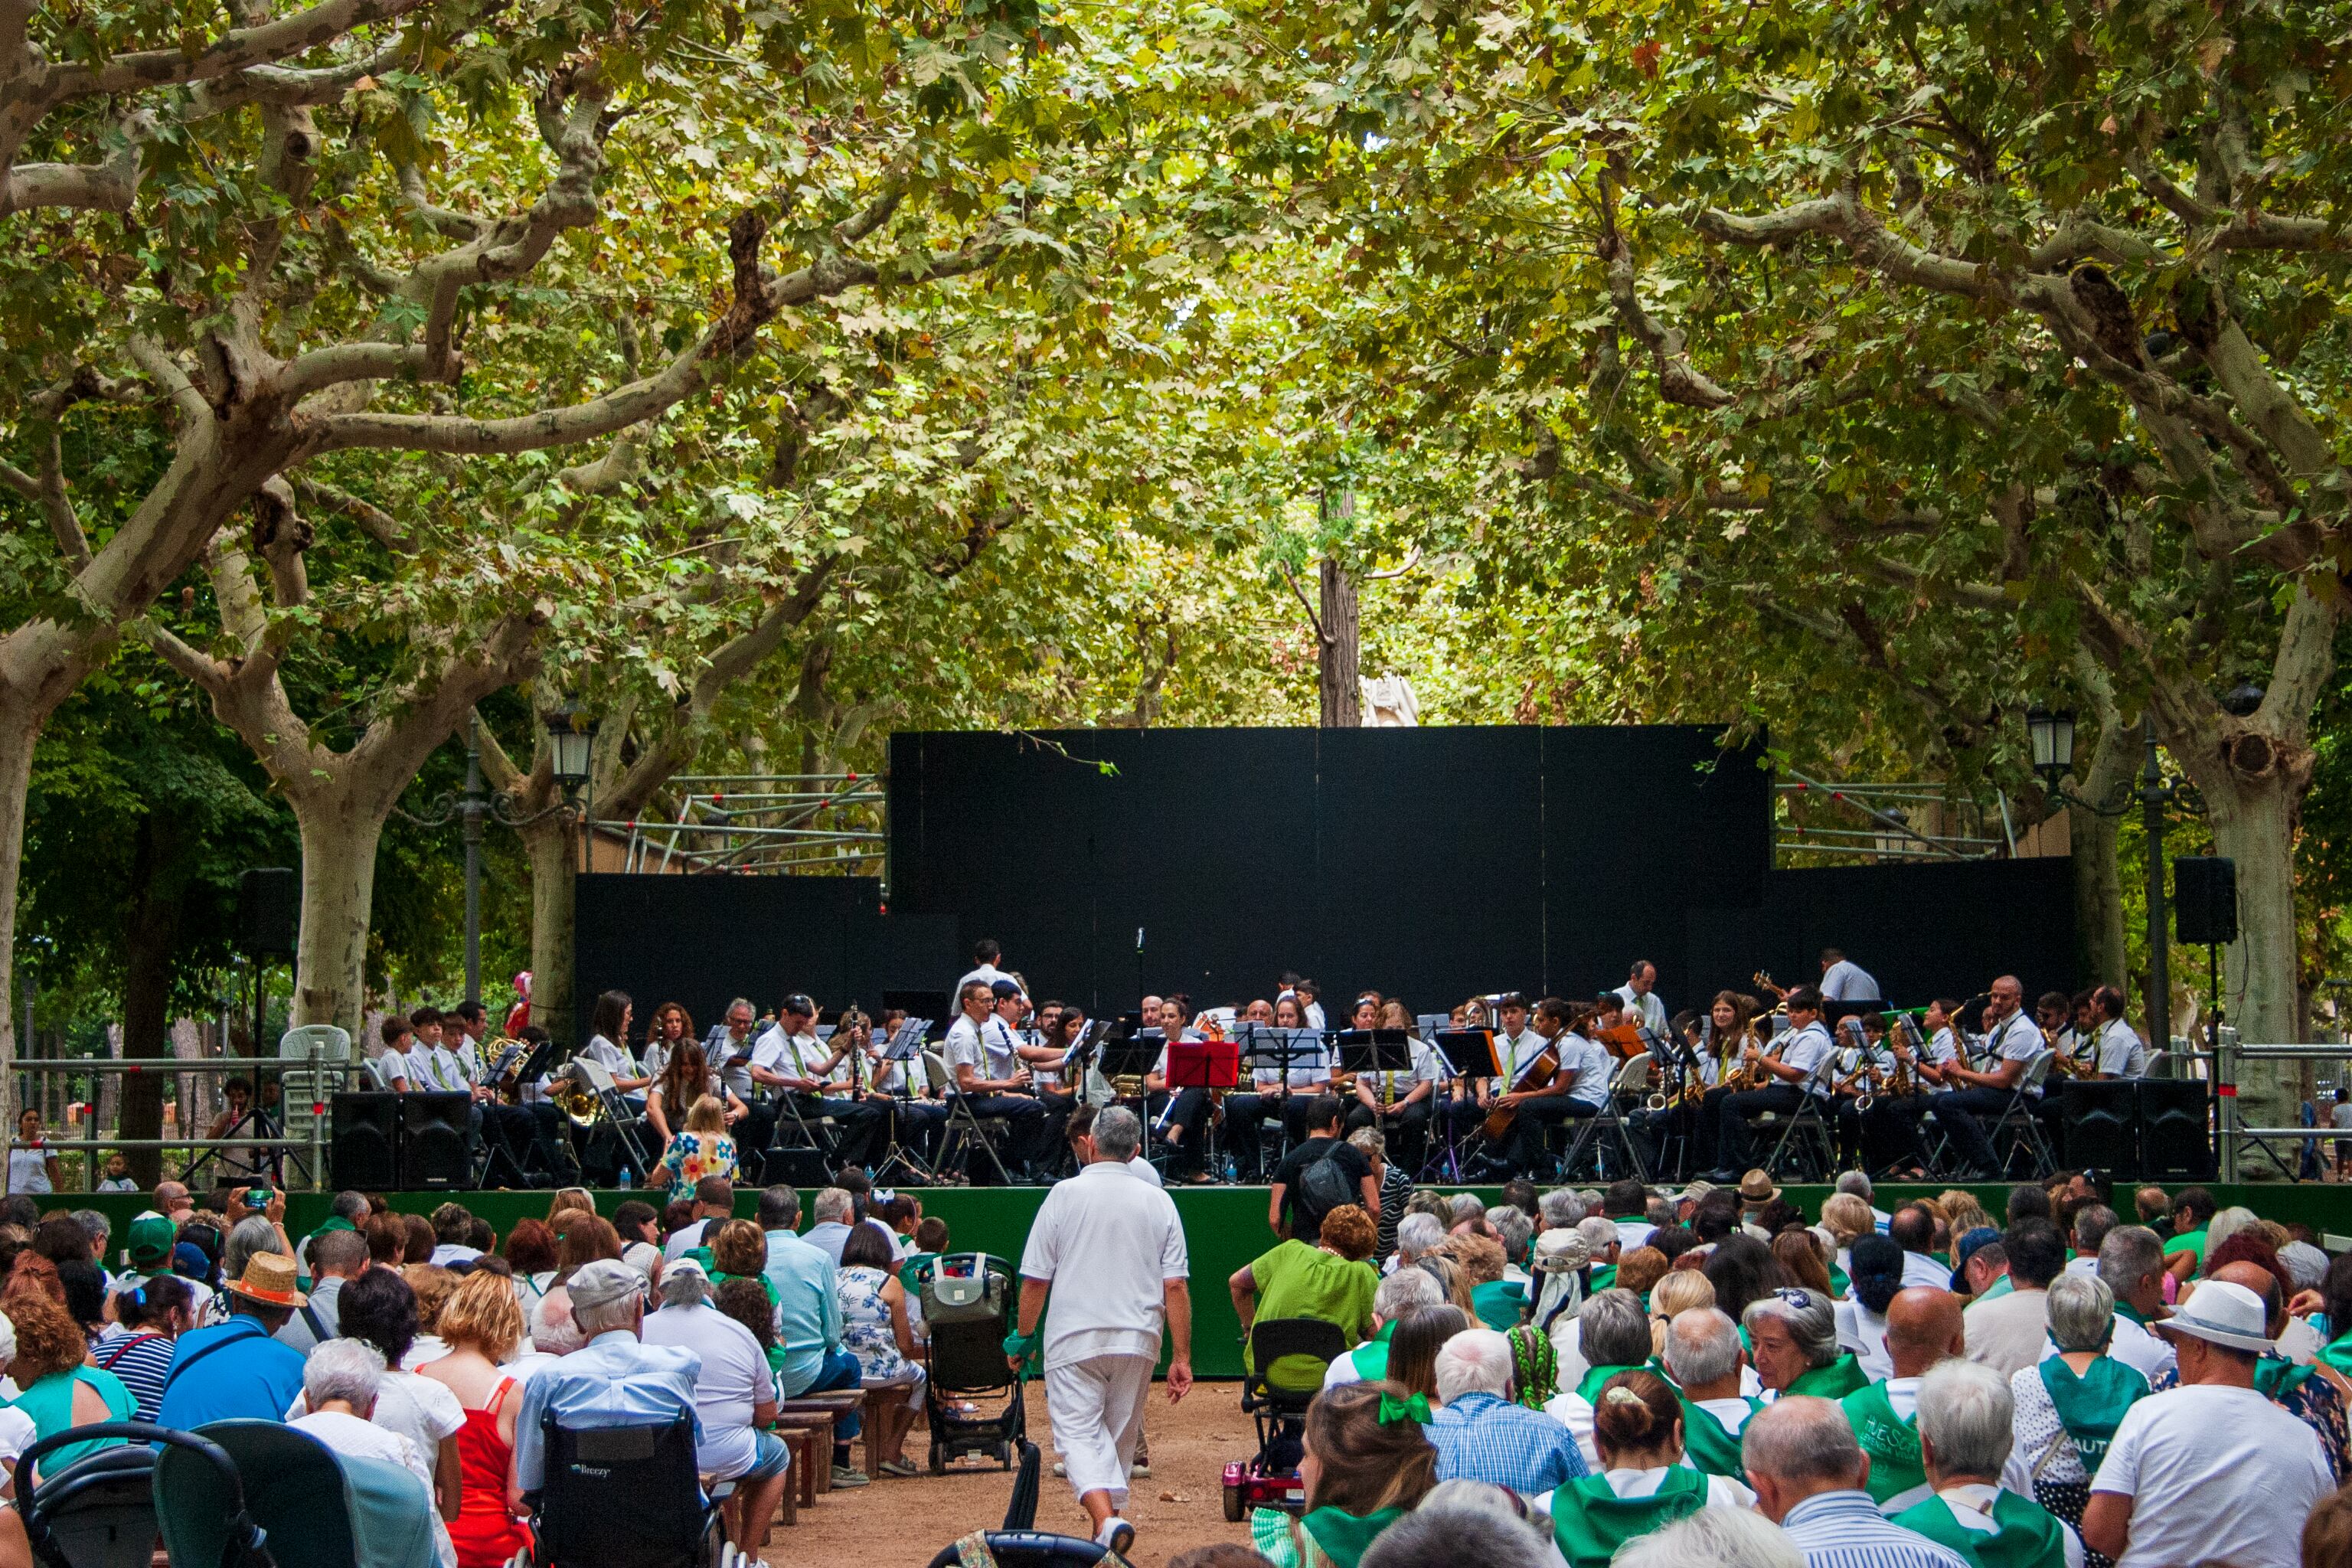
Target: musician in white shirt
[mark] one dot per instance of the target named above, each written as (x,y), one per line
(424,1075)
(1006,1034)
(1275,1091)
(992,1080)
(985,954)
(1795,1068)
(2121,1052)
(2011,1041)
(727,1049)
(789,1059)
(1579,1085)
(1842,980)
(1640,994)
(391,1061)
(1399,1102)
(1892,1124)
(606,1045)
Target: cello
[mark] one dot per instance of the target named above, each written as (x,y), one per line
(1537,1074)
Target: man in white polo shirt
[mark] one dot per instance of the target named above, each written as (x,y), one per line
(1110,1250)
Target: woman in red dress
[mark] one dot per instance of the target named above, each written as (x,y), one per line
(481,1325)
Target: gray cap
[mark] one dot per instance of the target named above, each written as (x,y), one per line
(605,1280)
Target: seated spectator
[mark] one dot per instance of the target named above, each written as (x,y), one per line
(1743,1271)
(1876,1274)
(1793,1338)
(734,1398)
(2313,1392)
(713,1201)
(236,1370)
(612,1381)
(453,1236)
(387,1240)
(1398,1294)
(1451,1535)
(379,1310)
(1807,1470)
(836,1211)
(1643,1485)
(1561,1261)
(336,1258)
(1681,1290)
(1965,1433)
(2067,1406)
(808,1320)
(1367,1464)
(339,1384)
(2008,1331)
(433,1286)
(583,1239)
(740,1251)
(1494,1300)
(59,1389)
(1330,1281)
(1704,1358)
(481,1325)
(1713,1538)
(1798,1251)
(137,1347)
(84,1285)
(529,1251)
(418,1233)
(702,1149)
(875,1329)
(746,1301)
(1481,1435)
(1412,1351)
(1615,1338)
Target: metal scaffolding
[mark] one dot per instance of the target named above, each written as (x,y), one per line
(1886,812)
(762,823)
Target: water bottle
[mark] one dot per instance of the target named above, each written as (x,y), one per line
(625,1178)
(1233,1171)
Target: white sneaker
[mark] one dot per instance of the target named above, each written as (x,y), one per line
(1115,1535)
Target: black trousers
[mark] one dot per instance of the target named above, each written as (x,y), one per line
(1025,1124)
(1957,1110)
(1735,1136)
(1405,1129)
(1528,1156)
(1179,1124)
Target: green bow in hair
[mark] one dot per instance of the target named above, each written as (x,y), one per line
(1412,1407)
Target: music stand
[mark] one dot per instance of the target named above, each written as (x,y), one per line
(1128,1055)
(1280,1050)
(1469,1054)
(1208,1065)
(906,1046)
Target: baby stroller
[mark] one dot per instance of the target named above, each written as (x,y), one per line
(1288,1357)
(284,1498)
(969,1299)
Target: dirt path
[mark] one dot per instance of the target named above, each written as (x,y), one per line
(901,1523)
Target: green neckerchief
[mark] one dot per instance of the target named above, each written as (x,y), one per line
(2126,1310)
(2275,1377)
(2025,1535)
(1998,1289)
(1892,1443)
(1603,1277)
(1835,1381)
(1500,1303)
(2187,1241)
(1590,1521)
(1588,1388)
(2090,1407)
(1841,1282)
(1713,1448)
(1371,1357)
(2338,1352)
(1943,1257)
(1340,1537)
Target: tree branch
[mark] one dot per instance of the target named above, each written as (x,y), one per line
(232,51)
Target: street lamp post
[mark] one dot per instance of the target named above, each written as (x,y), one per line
(571,733)
(2052,733)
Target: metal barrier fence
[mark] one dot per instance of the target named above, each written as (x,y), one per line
(2230,1135)
(312,1073)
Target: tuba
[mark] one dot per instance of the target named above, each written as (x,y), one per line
(569,1093)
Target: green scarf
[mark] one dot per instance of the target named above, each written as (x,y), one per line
(1500,1303)
(1892,1443)
(1711,1445)
(2275,1377)
(1835,1381)
(2090,1407)
(1590,1521)
(2026,1536)
(1603,1278)
(1371,1357)
(1341,1537)
(1589,1388)
(2126,1310)
(2338,1352)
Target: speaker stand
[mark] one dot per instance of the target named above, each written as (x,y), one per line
(256,1122)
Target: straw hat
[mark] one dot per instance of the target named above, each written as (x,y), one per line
(1756,1187)
(269,1279)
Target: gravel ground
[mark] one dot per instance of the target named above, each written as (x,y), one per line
(897,1523)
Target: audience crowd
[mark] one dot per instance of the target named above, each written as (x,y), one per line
(1699,1378)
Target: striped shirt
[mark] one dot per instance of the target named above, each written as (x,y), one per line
(141,1360)
(1845,1530)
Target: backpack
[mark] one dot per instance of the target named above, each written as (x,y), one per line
(1324,1186)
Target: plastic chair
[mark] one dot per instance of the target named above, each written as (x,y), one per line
(99,1511)
(317,1508)
(298,1092)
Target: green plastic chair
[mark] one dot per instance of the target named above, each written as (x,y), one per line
(317,1509)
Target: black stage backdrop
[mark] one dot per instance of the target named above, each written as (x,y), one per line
(1432,862)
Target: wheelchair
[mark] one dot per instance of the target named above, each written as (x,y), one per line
(626,1497)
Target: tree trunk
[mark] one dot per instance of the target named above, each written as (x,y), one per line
(2098,878)
(2254,825)
(151,937)
(1339,665)
(339,844)
(20,728)
(554,848)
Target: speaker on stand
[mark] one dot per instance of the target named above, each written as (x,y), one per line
(2205,900)
(363,1149)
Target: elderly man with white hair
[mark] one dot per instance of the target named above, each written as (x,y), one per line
(612,1380)
(1398,1294)
(1110,1250)
(735,1396)
(1481,1435)
(1704,1359)
(1965,1417)
(1712,1538)
(1808,1471)
(340,1380)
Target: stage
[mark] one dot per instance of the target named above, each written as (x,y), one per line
(1224,1228)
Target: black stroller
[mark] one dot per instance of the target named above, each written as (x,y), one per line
(969,1299)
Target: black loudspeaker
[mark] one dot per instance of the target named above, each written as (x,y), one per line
(365,1125)
(795,1168)
(2175,1144)
(433,1153)
(2205,900)
(2100,1123)
(268,911)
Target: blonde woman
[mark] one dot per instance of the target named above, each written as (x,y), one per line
(1680,1290)
(482,1326)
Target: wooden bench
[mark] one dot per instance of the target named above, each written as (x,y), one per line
(836,1404)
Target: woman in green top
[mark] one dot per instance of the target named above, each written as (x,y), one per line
(59,1390)
(1793,1338)
(1637,1428)
(1367,1465)
(1330,1281)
